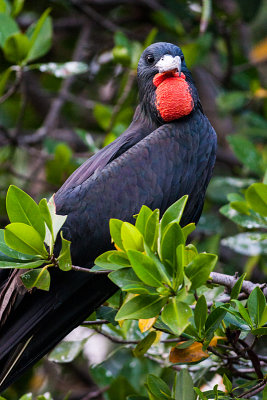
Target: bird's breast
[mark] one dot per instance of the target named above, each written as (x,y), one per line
(173,96)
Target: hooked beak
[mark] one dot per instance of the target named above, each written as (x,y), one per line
(169,63)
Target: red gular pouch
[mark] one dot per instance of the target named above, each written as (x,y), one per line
(173,95)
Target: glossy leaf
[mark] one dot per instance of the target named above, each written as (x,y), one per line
(176,315)
(184,386)
(256,304)
(40,36)
(25,239)
(199,269)
(16,47)
(213,322)
(103,261)
(45,213)
(256,196)
(115,231)
(158,388)
(10,253)
(21,265)
(66,352)
(249,244)
(146,324)
(57,220)
(142,219)
(145,268)
(246,152)
(152,230)
(64,259)
(22,208)
(173,213)
(247,221)
(237,287)
(145,344)
(39,278)
(172,237)
(119,258)
(8,27)
(131,237)
(200,313)
(189,228)
(128,281)
(227,383)
(142,306)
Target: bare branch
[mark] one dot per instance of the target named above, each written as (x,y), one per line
(229,281)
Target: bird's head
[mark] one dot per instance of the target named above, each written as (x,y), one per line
(166,88)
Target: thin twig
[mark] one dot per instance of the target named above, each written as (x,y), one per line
(14,87)
(251,392)
(97,322)
(88,271)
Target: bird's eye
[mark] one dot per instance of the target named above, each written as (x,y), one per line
(150,58)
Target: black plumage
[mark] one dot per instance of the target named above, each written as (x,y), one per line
(152,163)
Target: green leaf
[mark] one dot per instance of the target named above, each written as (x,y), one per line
(259,331)
(24,238)
(17,7)
(21,265)
(12,254)
(120,389)
(176,316)
(142,306)
(8,27)
(57,220)
(64,70)
(40,35)
(237,287)
(200,394)
(189,228)
(103,261)
(180,263)
(22,208)
(253,220)
(39,278)
(256,196)
(127,280)
(150,37)
(246,152)
(64,259)
(16,47)
(5,7)
(27,396)
(142,219)
(184,386)
(66,352)
(243,312)
(102,114)
(3,79)
(200,313)
(240,206)
(145,344)
(119,258)
(227,383)
(152,230)
(115,226)
(159,389)
(213,322)
(45,213)
(190,252)
(131,237)
(172,237)
(249,244)
(145,268)
(256,304)
(173,213)
(198,271)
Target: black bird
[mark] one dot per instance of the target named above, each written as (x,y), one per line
(167,151)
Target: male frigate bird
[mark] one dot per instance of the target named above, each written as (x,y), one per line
(167,151)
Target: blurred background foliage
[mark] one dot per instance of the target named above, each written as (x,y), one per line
(54,115)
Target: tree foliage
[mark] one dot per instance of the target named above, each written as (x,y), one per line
(67,87)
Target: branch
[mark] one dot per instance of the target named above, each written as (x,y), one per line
(51,119)
(88,271)
(251,392)
(229,282)
(95,394)
(14,87)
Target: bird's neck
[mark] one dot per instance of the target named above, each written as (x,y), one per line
(170,97)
